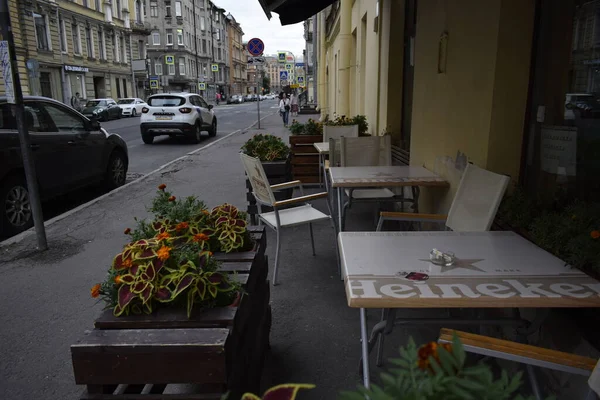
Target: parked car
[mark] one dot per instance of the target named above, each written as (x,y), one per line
(248,97)
(177,114)
(69,151)
(235,99)
(131,106)
(102,109)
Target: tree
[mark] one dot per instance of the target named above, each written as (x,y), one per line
(266,84)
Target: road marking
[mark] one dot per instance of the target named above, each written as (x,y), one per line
(23,235)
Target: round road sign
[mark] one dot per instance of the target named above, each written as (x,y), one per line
(256,47)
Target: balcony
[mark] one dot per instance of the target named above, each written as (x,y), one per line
(141,27)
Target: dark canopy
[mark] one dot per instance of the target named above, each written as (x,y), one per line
(293,11)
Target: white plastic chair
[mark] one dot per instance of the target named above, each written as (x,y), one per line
(473,210)
(335,133)
(280,218)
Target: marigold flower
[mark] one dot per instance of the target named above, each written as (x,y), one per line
(172,198)
(95,291)
(182,225)
(162,186)
(118,280)
(210,253)
(200,237)
(163,253)
(163,236)
(128,263)
(205,212)
(595,234)
(431,350)
(127,231)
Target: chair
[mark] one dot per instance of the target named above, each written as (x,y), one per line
(473,210)
(300,213)
(335,132)
(366,151)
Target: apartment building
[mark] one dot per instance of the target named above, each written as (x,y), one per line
(238,79)
(309,81)
(188,47)
(82,46)
(272,67)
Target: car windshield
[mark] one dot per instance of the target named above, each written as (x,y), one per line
(125,101)
(96,103)
(166,101)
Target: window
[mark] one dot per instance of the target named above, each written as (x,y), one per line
(202,26)
(141,49)
(168,10)
(171,69)
(123,49)
(153,10)
(216,17)
(64,120)
(118,6)
(204,46)
(138,11)
(116,48)
(169,37)
(118,87)
(178,9)
(180,37)
(85,3)
(97,5)
(182,66)
(166,101)
(76,39)
(156,38)
(41,32)
(102,45)
(89,42)
(158,67)
(219,53)
(62,35)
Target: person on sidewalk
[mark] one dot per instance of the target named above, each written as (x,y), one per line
(218,98)
(294,104)
(284,108)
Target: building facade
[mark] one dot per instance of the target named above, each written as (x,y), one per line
(238,61)
(272,68)
(83,46)
(188,47)
(310,61)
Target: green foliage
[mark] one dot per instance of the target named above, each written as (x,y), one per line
(266,148)
(176,211)
(296,128)
(518,208)
(311,127)
(266,84)
(434,372)
(360,120)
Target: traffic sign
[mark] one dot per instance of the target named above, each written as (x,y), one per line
(170,60)
(201,86)
(288,67)
(256,60)
(281,57)
(300,79)
(283,75)
(153,83)
(256,47)
(214,67)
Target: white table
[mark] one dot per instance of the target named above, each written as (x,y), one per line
(380,177)
(323,150)
(493,270)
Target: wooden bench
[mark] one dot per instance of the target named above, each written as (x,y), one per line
(399,156)
(521,353)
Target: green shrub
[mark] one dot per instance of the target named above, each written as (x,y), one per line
(266,148)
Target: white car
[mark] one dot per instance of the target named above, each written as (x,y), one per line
(131,107)
(177,114)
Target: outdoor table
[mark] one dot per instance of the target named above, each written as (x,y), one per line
(492,270)
(381,177)
(323,150)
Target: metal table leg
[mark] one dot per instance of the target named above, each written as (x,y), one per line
(364,345)
(321,168)
(340,208)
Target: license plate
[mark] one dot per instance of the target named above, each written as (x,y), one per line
(164,118)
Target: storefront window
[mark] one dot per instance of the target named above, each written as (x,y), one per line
(562,149)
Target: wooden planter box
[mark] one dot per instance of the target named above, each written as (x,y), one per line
(217,350)
(277,172)
(305,158)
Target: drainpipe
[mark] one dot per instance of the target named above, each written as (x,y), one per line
(315,55)
(345,41)
(63,75)
(323,95)
(134,87)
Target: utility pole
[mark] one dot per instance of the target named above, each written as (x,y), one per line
(258,85)
(12,84)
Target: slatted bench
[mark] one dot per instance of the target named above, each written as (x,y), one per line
(399,156)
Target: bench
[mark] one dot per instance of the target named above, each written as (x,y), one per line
(399,156)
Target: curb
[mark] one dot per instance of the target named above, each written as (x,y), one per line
(23,235)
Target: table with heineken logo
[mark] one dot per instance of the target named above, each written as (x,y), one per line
(392,270)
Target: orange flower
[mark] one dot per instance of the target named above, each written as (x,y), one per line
(205,212)
(200,237)
(431,350)
(95,291)
(182,225)
(210,253)
(172,198)
(163,236)
(163,253)
(162,186)
(118,280)
(595,234)
(128,263)
(127,231)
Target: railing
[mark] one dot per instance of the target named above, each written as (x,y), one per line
(140,25)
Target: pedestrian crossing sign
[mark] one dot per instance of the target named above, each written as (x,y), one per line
(214,67)
(153,83)
(288,67)
(281,57)
(283,75)
(170,60)
(300,79)
(201,86)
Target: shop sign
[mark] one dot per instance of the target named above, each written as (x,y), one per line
(76,68)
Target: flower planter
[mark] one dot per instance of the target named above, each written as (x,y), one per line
(222,349)
(305,158)
(342,130)
(277,172)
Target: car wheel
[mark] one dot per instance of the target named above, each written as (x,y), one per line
(212,131)
(116,172)
(197,133)
(133,113)
(148,138)
(16,215)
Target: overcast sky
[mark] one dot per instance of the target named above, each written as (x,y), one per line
(249,14)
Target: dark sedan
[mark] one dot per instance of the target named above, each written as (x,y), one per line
(102,109)
(69,152)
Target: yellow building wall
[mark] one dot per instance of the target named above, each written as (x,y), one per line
(478,106)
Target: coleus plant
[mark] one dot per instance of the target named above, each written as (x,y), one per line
(229,227)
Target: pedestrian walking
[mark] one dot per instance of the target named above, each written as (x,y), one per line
(294,104)
(218,98)
(284,108)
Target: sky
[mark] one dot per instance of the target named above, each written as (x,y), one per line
(250,15)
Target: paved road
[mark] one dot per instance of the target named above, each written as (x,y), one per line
(146,158)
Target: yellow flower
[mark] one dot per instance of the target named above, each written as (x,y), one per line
(163,253)
(95,291)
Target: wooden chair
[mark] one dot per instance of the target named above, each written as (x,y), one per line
(300,212)
(525,354)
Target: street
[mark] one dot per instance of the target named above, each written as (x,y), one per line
(146,158)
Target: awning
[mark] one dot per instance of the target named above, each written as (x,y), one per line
(293,11)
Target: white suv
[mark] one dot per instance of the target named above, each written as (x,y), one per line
(177,114)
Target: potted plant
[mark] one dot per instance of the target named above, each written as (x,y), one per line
(275,157)
(355,126)
(305,159)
